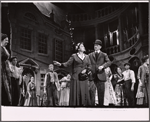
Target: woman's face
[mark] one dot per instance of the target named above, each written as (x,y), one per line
(82,48)
(4,42)
(68,76)
(14,61)
(119,70)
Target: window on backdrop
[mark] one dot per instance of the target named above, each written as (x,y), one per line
(58,50)
(113,38)
(25,39)
(42,43)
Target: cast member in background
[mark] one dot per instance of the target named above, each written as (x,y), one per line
(65,90)
(129,78)
(51,86)
(23,90)
(143,87)
(109,95)
(31,89)
(15,76)
(119,78)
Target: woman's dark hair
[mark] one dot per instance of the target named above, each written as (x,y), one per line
(115,70)
(3,36)
(145,58)
(78,45)
(12,58)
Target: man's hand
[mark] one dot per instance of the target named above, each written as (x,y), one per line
(100,68)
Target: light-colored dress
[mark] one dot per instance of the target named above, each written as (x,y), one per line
(64,92)
(31,89)
(109,95)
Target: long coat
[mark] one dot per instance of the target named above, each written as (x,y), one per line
(102,60)
(79,94)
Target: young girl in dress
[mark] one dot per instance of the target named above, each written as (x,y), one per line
(109,95)
(65,90)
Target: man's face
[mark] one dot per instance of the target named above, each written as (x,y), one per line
(14,61)
(51,67)
(147,61)
(127,66)
(97,47)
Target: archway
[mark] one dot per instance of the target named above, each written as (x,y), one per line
(30,69)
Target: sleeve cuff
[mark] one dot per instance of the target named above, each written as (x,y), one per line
(62,65)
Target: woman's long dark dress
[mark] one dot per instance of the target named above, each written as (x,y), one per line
(5,78)
(79,93)
(32,90)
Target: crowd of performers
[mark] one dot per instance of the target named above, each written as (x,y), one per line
(91,82)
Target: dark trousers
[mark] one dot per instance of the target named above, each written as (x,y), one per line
(100,89)
(129,95)
(92,92)
(15,91)
(52,95)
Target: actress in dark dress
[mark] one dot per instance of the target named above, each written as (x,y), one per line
(5,77)
(31,89)
(79,93)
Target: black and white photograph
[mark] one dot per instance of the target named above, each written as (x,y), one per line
(75,55)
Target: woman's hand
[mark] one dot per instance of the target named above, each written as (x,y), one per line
(44,91)
(83,71)
(57,63)
(140,83)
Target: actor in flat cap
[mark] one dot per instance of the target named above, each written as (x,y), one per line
(129,78)
(99,61)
